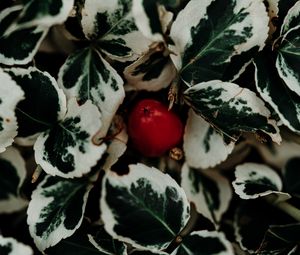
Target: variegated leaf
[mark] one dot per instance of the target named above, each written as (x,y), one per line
(19,46)
(203,146)
(112,24)
(231,109)
(10,246)
(273,90)
(284,7)
(208,190)
(278,10)
(292,19)
(251,221)
(151,18)
(254,180)
(145,208)
(288,59)
(10,95)
(44,104)
(153,71)
(46,13)
(106,244)
(12,176)
(238,64)
(67,149)
(280,239)
(56,210)
(86,75)
(207,34)
(204,242)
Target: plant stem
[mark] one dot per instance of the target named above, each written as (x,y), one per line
(289,209)
(284,206)
(191,223)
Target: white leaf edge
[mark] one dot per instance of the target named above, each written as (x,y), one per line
(99,248)
(14,203)
(112,101)
(45,21)
(11,61)
(195,131)
(212,234)
(285,73)
(18,71)
(135,40)
(142,21)
(13,94)
(36,205)
(292,13)
(232,90)
(135,82)
(159,180)
(266,96)
(196,10)
(17,247)
(90,116)
(199,199)
(262,171)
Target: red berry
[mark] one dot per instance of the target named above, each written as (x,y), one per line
(153,129)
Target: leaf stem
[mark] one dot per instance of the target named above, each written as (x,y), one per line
(289,209)
(284,206)
(191,223)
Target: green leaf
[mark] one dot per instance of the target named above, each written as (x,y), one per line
(18,47)
(113,25)
(153,71)
(292,19)
(288,59)
(254,180)
(274,91)
(203,146)
(231,109)
(86,75)
(203,243)
(10,246)
(207,34)
(12,176)
(56,210)
(44,104)
(209,191)
(280,239)
(291,176)
(145,208)
(44,13)
(106,244)
(151,18)
(67,149)
(10,95)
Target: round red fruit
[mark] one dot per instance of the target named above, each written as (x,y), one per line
(153,129)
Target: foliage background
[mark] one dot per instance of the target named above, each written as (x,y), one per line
(70,72)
